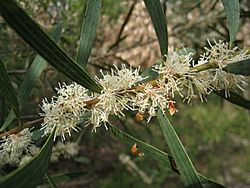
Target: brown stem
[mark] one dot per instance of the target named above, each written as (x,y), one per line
(19,128)
(204,66)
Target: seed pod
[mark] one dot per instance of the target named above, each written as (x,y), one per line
(135,151)
(139,116)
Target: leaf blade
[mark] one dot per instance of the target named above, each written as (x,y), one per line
(38,166)
(240,67)
(7,90)
(17,18)
(68,176)
(188,173)
(153,152)
(235,99)
(88,31)
(50,181)
(34,72)
(232,10)
(149,150)
(160,24)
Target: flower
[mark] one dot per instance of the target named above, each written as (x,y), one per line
(33,150)
(65,150)
(172,72)
(63,112)
(175,64)
(177,76)
(196,86)
(114,97)
(221,80)
(149,100)
(221,54)
(14,145)
(119,79)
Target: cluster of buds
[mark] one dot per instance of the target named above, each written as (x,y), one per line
(123,89)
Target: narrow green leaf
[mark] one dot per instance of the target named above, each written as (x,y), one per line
(68,176)
(82,160)
(188,174)
(30,32)
(160,23)
(148,150)
(154,153)
(235,99)
(150,74)
(232,10)
(88,31)
(51,181)
(186,51)
(7,90)
(240,67)
(11,116)
(34,72)
(32,173)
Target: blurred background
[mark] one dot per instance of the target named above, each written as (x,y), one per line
(216,134)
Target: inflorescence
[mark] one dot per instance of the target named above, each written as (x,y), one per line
(14,146)
(123,89)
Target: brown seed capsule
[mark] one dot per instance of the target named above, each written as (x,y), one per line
(135,150)
(139,116)
(172,108)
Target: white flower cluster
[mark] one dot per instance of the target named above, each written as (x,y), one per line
(14,146)
(115,96)
(33,150)
(177,75)
(65,150)
(64,111)
(221,55)
(149,100)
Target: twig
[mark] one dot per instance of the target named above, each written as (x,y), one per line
(17,71)
(118,39)
(19,128)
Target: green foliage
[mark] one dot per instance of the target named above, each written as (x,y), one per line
(57,178)
(147,149)
(31,32)
(112,8)
(156,154)
(34,72)
(160,24)
(50,180)
(232,10)
(31,173)
(7,90)
(235,99)
(44,45)
(88,31)
(240,67)
(183,162)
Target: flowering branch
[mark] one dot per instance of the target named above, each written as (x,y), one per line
(177,75)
